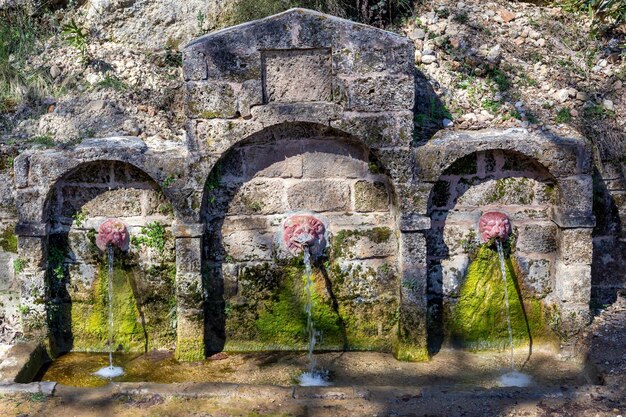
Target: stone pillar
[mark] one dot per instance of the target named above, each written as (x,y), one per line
(189,292)
(30,267)
(412,331)
(573,278)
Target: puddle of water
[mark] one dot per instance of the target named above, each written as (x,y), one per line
(448,367)
(515,379)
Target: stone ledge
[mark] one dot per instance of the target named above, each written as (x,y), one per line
(567,220)
(32,229)
(414,223)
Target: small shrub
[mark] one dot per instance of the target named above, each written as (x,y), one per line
(600,11)
(563,116)
(76,37)
(19,264)
(152,236)
(79,217)
(112,82)
(45,140)
(491,105)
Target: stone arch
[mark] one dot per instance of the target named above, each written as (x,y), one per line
(562,164)
(75,270)
(292,157)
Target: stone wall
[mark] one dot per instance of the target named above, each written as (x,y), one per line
(260,185)
(300,112)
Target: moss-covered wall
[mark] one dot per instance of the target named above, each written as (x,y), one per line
(465,300)
(256,288)
(144,301)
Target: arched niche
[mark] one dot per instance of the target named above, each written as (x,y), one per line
(76,289)
(552,249)
(254,285)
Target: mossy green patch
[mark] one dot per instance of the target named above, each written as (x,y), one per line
(90,321)
(283,320)
(478,321)
(190,349)
(8,240)
(409,353)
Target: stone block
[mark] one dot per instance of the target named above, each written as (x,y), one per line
(378,130)
(413,197)
(319,195)
(250,95)
(453,271)
(375,92)
(505,191)
(190,335)
(573,318)
(33,250)
(535,274)
(329,165)
(370,196)
(210,99)
(572,282)
(413,258)
(378,242)
(188,254)
(395,59)
(413,222)
(189,290)
(575,246)
(297,75)
(194,65)
(455,235)
(249,245)
(575,196)
(281,160)
(101,202)
(7,271)
(258,196)
(155,203)
(397,162)
(537,237)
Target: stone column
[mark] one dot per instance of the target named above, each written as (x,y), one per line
(412,330)
(32,246)
(189,292)
(573,278)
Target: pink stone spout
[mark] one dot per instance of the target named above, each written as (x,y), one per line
(494,225)
(113,232)
(302,230)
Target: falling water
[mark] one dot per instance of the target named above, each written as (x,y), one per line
(313,377)
(110,371)
(513,378)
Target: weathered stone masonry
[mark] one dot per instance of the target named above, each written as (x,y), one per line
(307,112)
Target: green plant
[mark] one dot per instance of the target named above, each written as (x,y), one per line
(491,105)
(79,217)
(44,140)
(19,264)
(212,182)
(200,18)
(598,112)
(23,309)
(56,258)
(112,82)
(461,17)
(169,180)
(500,78)
(21,35)
(153,235)
(76,37)
(564,115)
(600,11)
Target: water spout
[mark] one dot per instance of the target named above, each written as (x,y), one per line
(112,233)
(495,226)
(305,233)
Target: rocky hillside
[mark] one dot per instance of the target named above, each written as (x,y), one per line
(110,67)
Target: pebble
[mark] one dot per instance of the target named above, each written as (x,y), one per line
(582,96)
(608,104)
(428,59)
(506,15)
(55,71)
(563,95)
(417,33)
(494,54)
(447,123)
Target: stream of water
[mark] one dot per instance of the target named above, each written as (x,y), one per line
(314,377)
(512,378)
(110,371)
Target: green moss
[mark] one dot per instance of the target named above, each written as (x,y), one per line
(283,320)
(190,349)
(90,320)
(8,240)
(478,321)
(343,240)
(408,353)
